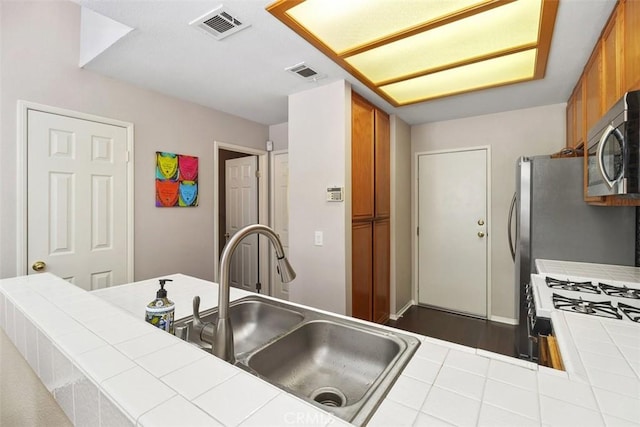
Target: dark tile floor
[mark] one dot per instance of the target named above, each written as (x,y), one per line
(469,331)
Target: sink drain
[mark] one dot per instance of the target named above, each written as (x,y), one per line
(329,396)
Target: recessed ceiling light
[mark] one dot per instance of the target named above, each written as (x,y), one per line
(414,50)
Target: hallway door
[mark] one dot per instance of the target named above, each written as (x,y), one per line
(452,227)
(242,210)
(77,200)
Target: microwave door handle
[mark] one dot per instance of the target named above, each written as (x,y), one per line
(600,154)
(512,247)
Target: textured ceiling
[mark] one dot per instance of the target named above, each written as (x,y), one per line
(244,74)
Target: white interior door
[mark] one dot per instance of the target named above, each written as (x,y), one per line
(452,221)
(280,215)
(77,199)
(242,210)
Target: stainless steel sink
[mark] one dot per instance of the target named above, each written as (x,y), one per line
(341,365)
(255,322)
(329,363)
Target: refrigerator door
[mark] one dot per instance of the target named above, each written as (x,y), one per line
(523,252)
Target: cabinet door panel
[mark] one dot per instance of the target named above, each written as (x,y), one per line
(381,270)
(362,159)
(593,89)
(611,63)
(382,165)
(631,44)
(362,270)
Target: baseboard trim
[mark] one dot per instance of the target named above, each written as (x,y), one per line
(402,310)
(506,320)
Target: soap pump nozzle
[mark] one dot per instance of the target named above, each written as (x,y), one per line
(162,292)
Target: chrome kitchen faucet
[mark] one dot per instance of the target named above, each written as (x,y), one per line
(222,340)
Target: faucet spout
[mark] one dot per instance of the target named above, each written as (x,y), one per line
(223,340)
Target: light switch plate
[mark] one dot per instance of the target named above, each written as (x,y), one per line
(318,238)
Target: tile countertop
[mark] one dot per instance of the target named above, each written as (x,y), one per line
(601,352)
(106,366)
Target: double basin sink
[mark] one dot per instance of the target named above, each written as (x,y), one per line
(342,366)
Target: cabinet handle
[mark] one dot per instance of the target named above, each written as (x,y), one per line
(480,234)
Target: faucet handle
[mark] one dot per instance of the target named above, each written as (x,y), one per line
(206,329)
(197,323)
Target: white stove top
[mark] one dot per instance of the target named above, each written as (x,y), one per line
(595,301)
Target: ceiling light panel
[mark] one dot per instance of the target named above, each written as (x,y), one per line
(406,50)
(346,24)
(484,35)
(495,72)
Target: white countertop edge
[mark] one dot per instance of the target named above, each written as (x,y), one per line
(568,351)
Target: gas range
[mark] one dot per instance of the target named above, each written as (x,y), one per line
(603,298)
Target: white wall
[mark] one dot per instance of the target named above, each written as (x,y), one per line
(320,157)
(279,134)
(400,214)
(39,64)
(531,131)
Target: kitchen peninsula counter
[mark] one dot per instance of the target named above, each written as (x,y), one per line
(106,366)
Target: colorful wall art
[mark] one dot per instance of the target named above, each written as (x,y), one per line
(176,180)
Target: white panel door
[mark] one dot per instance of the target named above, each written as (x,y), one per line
(280,213)
(242,210)
(77,199)
(452,221)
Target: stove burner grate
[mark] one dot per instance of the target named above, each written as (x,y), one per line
(630,311)
(594,308)
(620,291)
(572,285)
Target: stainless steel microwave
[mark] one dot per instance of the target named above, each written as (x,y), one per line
(614,150)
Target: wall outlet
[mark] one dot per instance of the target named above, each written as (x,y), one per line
(318,238)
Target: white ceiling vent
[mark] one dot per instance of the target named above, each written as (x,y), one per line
(219,23)
(305,72)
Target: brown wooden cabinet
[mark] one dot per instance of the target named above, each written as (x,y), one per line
(370,200)
(362,267)
(593,88)
(362,159)
(612,58)
(381,270)
(631,43)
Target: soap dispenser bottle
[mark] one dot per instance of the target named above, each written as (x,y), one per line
(160,311)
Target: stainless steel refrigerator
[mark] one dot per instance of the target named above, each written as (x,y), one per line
(552,221)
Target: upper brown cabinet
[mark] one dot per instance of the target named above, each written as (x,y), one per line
(362,158)
(593,89)
(631,43)
(612,61)
(613,69)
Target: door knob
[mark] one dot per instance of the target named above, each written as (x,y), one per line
(480,222)
(480,234)
(38,265)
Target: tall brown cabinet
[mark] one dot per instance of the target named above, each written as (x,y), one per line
(370,200)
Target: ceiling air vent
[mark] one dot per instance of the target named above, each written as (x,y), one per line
(219,23)
(305,72)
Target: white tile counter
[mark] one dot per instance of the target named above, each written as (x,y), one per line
(106,366)
(603,353)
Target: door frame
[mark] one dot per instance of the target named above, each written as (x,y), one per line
(272,213)
(22,173)
(415,213)
(263,205)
